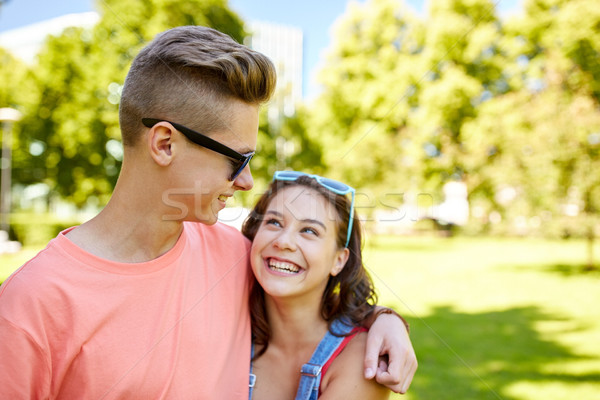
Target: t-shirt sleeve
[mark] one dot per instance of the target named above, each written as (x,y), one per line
(24,370)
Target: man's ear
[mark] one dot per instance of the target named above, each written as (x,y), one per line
(160,140)
(340,261)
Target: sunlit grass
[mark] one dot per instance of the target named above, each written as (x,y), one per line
(10,262)
(494,318)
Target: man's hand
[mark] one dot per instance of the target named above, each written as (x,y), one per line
(388,338)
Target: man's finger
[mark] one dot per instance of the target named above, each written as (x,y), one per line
(374,343)
(408,369)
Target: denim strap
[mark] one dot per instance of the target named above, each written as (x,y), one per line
(310,377)
(252,376)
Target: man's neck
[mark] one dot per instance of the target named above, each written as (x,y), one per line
(125,231)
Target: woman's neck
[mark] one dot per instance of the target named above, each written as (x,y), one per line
(295,323)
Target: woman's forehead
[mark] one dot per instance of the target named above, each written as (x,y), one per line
(303,202)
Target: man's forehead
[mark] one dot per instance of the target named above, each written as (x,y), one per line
(240,130)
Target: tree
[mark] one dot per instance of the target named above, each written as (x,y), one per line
(368,85)
(398,90)
(543,139)
(13,74)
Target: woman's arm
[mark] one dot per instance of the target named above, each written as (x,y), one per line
(345,379)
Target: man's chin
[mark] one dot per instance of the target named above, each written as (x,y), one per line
(209,218)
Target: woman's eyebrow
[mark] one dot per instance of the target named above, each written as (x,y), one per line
(276,213)
(314,221)
(305,220)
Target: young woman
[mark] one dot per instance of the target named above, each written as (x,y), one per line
(312,295)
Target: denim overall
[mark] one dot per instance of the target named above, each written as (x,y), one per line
(310,378)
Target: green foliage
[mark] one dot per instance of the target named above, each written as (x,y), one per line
(38,229)
(542,139)
(368,81)
(510,107)
(12,75)
(285,144)
(399,90)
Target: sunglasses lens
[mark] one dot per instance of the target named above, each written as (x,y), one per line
(335,185)
(241,167)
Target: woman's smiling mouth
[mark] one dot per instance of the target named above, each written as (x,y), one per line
(284,267)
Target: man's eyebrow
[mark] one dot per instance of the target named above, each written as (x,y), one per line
(305,220)
(246,150)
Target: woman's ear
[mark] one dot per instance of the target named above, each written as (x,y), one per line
(340,261)
(160,140)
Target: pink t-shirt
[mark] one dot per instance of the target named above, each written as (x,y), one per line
(74,326)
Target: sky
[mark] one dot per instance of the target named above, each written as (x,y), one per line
(314,17)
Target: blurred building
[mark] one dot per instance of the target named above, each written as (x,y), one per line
(284,46)
(25,42)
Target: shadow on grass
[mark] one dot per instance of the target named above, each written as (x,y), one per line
(564,269)
(477,356)
(410,244)
(572,270)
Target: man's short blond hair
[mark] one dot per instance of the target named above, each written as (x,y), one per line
(189,75)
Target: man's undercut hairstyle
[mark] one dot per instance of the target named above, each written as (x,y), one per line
(190,75)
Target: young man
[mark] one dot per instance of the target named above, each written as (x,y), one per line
(149,298)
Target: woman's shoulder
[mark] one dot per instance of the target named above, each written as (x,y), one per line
(345,376)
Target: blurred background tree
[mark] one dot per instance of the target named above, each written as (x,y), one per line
(508,107)
(542,139)
(368,86)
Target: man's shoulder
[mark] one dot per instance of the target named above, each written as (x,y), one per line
(28,286)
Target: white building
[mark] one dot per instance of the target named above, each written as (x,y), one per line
(25,42)
(284,46)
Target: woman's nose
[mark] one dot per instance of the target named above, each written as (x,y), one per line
(285,240)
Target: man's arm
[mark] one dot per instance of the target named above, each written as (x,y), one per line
(388,338)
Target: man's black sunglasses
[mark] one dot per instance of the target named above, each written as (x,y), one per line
(241,159)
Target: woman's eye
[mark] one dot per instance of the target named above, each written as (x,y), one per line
(312,231)
(272,221)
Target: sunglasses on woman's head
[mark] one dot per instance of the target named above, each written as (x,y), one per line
(241,160)
(329,184)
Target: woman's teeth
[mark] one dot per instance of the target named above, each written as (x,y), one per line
(223,198)
(284,267)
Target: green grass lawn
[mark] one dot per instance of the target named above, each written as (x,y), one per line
(493,318)
(490,318)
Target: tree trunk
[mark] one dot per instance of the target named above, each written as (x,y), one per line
(590,249)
